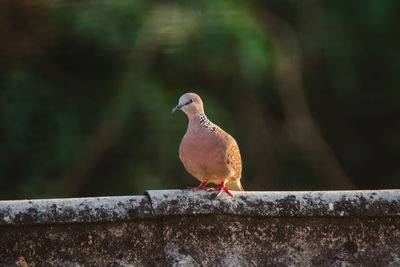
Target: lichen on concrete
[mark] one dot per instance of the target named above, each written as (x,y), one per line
(275,203)
(74,210)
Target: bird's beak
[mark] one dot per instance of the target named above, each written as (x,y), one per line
(177,107)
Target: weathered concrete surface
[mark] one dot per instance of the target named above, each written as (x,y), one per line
(294,203)
(74,210)
(182,228)
(135,242)
(222,240)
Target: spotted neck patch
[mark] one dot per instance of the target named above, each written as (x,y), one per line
(207,123)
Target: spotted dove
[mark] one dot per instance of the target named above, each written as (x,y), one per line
(208,152)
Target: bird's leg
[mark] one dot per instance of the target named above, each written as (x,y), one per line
(221,188)
(203,185)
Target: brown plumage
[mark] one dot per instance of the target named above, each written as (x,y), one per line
(208,152)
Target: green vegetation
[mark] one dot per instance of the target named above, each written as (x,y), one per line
(310,90)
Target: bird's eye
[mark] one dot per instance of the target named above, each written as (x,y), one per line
(189,102)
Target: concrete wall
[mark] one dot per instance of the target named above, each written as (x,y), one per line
(182,228)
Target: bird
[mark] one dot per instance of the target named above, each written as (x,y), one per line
(207,152)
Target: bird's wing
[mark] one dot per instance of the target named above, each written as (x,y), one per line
(234,159)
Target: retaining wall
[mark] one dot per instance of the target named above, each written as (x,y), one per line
(185,228)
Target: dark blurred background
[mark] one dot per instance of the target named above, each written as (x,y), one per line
(309,89)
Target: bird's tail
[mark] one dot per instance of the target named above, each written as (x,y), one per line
(234,185)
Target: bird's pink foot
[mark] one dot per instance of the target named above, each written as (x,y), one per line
(221,188)
(203,185)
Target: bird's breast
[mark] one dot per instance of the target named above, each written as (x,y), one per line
(203,155)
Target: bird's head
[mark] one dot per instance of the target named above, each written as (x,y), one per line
(190,103)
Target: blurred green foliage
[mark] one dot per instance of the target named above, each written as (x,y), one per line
(310,90)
